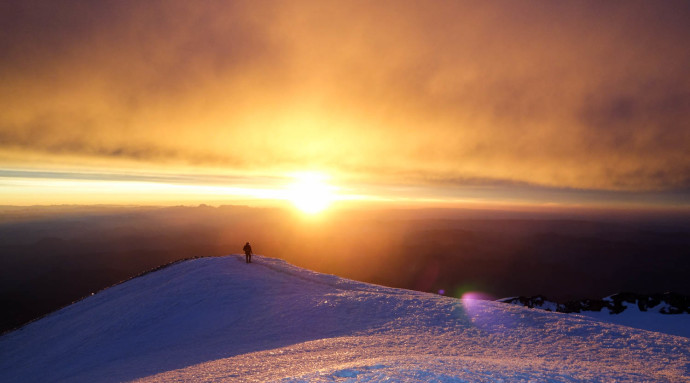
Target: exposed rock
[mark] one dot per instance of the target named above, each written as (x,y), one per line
(664,303)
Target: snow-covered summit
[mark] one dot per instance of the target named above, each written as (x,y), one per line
(219,319)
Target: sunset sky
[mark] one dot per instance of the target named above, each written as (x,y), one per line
(544,103)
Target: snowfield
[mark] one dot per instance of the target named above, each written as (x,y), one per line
(652,318)
(219,319)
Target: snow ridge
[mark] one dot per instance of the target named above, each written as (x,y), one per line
(220,319)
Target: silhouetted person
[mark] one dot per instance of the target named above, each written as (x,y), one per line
(248,252)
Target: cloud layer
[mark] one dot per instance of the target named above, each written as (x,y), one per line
(584,95)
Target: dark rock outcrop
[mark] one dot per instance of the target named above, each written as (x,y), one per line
(664,303)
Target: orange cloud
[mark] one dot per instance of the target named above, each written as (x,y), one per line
(580,95)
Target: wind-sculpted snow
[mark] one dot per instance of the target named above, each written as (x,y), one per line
(219,319)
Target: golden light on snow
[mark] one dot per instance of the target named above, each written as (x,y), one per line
(310,193)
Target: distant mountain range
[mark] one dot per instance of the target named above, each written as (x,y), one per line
(664,303)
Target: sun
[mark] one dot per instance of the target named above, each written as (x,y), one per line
(310,193)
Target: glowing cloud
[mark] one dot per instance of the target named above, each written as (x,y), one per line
(582,95)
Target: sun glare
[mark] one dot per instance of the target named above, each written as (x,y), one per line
(310,193)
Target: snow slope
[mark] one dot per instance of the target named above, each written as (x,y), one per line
(624,309)
(676,324)
(219,319)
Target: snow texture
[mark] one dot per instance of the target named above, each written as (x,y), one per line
(220,319)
